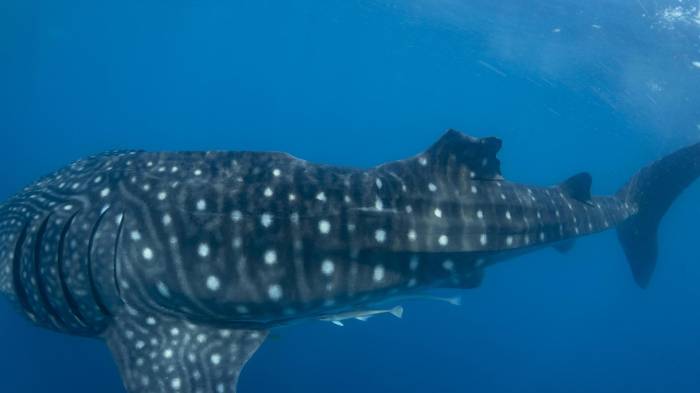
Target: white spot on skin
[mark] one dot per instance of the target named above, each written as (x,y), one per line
(327,267)
(167,219)
(378,182)
(483,239)
(380,235)
(268,192)
(443,240)
(423,161)
(274,292)
(104,192)
(176,383)
(412,235)
(266,220)
(379,205)
(213,283)
(203,250)
(276,172)
(236,216)
(509,240)
(135,236)
(480,214)
(147,253)
(215,359)
(198,172)
(378,274)
(324,227)
(168,353)
(432,187)
(270,257)
(162,195)
(474,190)
(438,213)
(508,215)
(321,197)
(163,289)
(413,264)
(201,204)
(448,265)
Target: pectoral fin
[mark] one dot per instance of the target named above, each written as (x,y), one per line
(164,354)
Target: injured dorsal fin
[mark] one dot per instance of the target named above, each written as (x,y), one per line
(475,155)
(578,187)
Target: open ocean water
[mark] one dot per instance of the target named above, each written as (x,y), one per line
(570,86)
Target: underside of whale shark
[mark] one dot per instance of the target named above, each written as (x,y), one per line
(182,262)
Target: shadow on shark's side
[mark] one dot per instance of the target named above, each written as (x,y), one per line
(182,262)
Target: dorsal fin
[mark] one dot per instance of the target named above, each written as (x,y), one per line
(478,155)
(578,187)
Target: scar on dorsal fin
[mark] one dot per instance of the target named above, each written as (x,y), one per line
(476,155)
(578,187)
(166,354)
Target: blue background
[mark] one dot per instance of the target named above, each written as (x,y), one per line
(605,86)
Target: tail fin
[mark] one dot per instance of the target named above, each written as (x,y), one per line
(652,191)
(397,311)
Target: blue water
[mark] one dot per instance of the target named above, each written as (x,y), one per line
(605,86)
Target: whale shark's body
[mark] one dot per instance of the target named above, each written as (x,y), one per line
(183,261)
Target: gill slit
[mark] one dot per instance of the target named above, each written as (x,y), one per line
(91,279)
(53,314)
(115,265)
(73,306)
(17,273)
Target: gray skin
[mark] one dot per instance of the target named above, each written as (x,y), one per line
(183,261)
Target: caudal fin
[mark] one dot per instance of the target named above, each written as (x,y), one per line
(651,192)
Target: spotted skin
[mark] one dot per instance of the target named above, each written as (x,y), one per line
(183,261)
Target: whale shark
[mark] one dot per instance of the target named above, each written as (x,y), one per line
(182,262)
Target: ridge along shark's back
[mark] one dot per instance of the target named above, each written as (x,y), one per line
(182,261)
